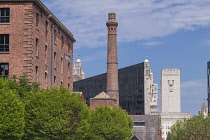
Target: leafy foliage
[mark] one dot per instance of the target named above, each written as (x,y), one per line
(26,112)
(53,114)
(110,124)
(11,114)
(196,128)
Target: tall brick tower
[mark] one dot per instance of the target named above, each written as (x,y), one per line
(112,87)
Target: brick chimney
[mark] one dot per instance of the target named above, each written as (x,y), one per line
(112,87)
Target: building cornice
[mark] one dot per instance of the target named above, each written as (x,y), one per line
(48,12)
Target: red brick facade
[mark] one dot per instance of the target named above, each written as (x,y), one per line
(95,102)
(30,44)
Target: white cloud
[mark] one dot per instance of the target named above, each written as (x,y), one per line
(152,43)
(96,56)
(192,84)
(138,20)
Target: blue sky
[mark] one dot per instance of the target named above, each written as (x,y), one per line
(173,34)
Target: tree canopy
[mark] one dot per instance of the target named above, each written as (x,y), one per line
(110,124)
(195,128)
(53,114)
(11,113)
(26,112)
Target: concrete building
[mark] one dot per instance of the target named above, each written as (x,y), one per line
(170,100)
(78,73)
(208,85)
(35,42)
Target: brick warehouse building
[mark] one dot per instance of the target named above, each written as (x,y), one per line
(34,41)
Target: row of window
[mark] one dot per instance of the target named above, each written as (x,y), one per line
(139,124)
(4,72)
(4,39)
(167,127)
(165,133)
(4,44)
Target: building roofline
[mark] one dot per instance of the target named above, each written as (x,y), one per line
(48,12)
(106,73)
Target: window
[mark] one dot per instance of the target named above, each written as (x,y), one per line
(46,54)
(37,47)
(55,35)
(54,59)
(4,15)
(37,19)
(139,124)
(54,79)
(61,65)
(37,75)
(46,80)
(46,28)
(62,42)
(4,42)
(4,69)
(69,47)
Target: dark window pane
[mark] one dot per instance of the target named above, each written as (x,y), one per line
(6,39)
(4,42)
(1,11)
(4,15)
(7,12)
(1,39)
(4,69)
(6,48)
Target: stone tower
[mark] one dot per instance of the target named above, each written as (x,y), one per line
(170,90)
(112,87)
(78,73)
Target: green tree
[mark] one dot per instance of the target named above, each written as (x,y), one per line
(23,86)
(110,124)
(20,85)
(55,114)
(195,128)
(11,115)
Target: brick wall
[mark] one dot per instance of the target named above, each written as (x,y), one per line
(95,102)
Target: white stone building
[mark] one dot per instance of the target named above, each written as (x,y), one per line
(151,90)
(170,100)
(78,73)
(204,109)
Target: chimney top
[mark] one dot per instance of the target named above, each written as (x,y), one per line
(111,18)
(112,15)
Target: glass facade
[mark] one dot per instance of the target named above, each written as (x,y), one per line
(131,88)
